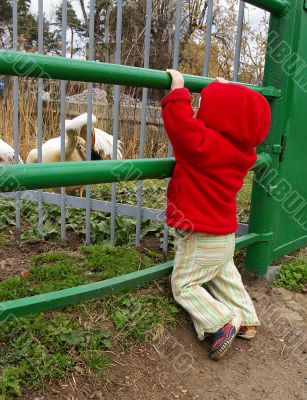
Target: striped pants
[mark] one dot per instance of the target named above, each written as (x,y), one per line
(207,284)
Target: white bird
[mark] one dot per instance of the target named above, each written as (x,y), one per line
(102,142)
(7,154)
(46,97)
(74,144)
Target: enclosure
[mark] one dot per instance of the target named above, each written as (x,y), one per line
(277,221)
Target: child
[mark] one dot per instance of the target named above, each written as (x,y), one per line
(214,152)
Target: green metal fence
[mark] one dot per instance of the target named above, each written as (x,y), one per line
(278,218)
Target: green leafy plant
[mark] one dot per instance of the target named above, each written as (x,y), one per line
(10,383)
(3,239)
(293,275)
(137,316)
(97,360)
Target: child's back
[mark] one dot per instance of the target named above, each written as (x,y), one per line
(214,152)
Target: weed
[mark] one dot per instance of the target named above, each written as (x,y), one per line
(97,360)
(137,316)
(154,192)
(10,383)
(3,239)
(14,288)
(293,275)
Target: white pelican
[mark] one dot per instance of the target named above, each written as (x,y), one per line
(76,130)
(7,154)
(102,142)
(75,145)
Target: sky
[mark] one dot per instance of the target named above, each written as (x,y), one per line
(255,14)
(49,6)
(252,14)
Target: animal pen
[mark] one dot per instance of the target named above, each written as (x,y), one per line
(278,215)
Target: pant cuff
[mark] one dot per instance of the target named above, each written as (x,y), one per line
(202,334)
(251,323)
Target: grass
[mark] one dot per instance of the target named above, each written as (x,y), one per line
(55,271)
(244,199)
(293,274)
(43,347)
(3,238)
(107,262)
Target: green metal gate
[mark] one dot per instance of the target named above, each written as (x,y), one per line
(278,218)
(280,191)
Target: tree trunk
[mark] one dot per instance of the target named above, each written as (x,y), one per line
(71,43)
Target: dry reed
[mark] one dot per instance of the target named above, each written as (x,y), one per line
(129,125)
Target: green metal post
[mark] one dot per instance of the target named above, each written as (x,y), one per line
(280,191)
(276,7)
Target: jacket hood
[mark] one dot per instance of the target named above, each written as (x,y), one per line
(240,114)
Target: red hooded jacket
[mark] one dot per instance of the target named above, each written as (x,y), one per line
(214,152)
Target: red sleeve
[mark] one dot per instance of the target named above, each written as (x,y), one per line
(190,138)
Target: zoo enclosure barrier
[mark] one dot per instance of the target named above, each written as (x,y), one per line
(278,218)
(83,74)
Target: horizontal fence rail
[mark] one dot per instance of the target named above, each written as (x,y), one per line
(66,297)
(277,7)
(53,67)
(49,175)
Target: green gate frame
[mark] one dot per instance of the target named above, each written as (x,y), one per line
(278,217)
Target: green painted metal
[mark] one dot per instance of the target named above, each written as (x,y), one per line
(252,238)
(62,298)
(38,176)
(42,66)
(280,191)
(277,7)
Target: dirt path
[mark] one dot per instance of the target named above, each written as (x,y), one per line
(176,365)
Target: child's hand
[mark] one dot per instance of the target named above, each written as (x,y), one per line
(177,79)
(221,80)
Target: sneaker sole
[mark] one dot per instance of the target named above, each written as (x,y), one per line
(247,335)
(218,354)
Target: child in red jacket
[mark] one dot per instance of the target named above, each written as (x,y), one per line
(213,152)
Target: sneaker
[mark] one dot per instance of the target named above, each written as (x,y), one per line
(223,338)
(247,332)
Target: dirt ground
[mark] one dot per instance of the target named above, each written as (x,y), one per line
(176,366)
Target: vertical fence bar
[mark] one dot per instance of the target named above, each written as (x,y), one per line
(63,110)
(40,113)
(236,64)
(143,119)
(209,21)
(91,51)
(16,109)
(175,66)
(177,34)
(119,18)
